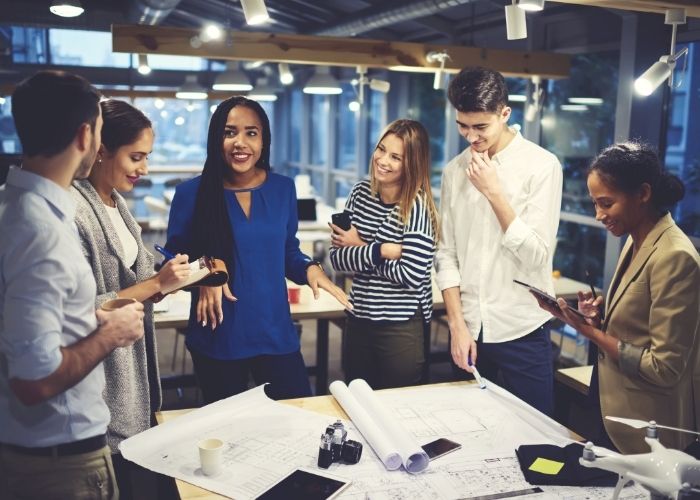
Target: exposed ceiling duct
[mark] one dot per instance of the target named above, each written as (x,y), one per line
(415,10)
(150,12)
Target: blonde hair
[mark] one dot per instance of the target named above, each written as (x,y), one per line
(415,174)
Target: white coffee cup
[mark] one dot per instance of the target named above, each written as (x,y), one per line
(211,455)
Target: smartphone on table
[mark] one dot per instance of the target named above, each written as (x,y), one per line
(548,299)
(440,447)
(342,220)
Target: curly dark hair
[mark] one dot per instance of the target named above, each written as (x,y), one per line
(628,165)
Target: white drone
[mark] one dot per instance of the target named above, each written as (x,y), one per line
(666,473)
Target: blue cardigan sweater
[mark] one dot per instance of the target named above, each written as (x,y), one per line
(267,250)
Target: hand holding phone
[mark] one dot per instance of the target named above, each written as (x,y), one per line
(342,220)
(548,299)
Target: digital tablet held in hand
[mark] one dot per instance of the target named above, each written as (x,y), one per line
(548,299)
(306,485)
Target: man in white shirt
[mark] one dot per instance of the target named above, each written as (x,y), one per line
(500,206)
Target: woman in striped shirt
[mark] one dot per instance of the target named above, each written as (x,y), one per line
(389,248)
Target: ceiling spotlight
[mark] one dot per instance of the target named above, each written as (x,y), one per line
(253,64)
(441,57)
(255,11)
(263,91)
(179,121)
(211,32)
(354,106)
(159,103)
(233,79)
(374,83)
(323,83)
(379,85)
(663,68)
(531,5)
(191,89)
(516,24)
(66,8)
(143,66)
(286,76)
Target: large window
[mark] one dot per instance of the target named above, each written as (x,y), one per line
(427,106)
(683,149)
(180,130)
(319,129)
(85,48)
(28,44)
(577,122)
(9,142)
(346,155)
(377,120)
(296,109)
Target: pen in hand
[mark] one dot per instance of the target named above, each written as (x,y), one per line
(163,251)
(593,294)
(476,374)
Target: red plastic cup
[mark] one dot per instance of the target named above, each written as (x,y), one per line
(293,294)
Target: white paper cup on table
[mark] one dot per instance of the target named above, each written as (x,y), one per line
(211,454)
(114,304)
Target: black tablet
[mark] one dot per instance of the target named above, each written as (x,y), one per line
(551,301)
(306,485)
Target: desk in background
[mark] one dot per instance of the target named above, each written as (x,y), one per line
(323,310)
(577,378)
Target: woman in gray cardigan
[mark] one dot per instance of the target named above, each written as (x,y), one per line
(111,241)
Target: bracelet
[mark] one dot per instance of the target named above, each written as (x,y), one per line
(313,263)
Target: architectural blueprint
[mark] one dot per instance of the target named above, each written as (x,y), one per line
(267,440)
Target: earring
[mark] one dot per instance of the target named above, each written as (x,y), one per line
(99,160)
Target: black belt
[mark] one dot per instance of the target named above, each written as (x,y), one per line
(60,450)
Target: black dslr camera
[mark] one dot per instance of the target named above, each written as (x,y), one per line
(336,447)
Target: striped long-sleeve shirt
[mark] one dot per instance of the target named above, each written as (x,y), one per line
(383,289)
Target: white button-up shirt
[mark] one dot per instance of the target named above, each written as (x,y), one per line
(47,300)
(475,255)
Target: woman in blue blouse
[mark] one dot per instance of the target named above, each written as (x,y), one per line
(239,211)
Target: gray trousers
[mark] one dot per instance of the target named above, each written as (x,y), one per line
(385,353)
(87,476)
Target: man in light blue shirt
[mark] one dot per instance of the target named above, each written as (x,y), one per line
(52,416)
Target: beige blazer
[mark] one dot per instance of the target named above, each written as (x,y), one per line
(654,306)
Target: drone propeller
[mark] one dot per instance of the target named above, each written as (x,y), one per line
(641,424)
(598,450)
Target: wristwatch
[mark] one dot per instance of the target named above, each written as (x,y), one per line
(313,263)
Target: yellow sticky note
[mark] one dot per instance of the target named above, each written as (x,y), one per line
(545,466)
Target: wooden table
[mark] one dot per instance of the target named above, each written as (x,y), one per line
(578,378)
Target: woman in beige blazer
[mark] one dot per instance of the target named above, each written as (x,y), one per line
(649,362)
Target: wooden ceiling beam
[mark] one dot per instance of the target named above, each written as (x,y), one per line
(333,51)
(692,7)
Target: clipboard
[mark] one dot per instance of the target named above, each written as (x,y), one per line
(205,271)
